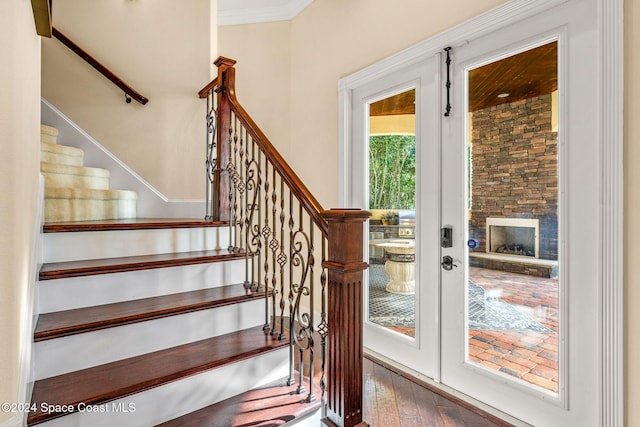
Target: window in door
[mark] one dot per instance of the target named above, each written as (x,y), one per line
(512,294)
(392,189)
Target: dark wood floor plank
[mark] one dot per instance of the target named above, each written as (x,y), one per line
(69,322)
(429,413)
(434,407)
(272,405)
(407,407)
(472,419)
(125,377)
(129,224)
(385,397)
(369,402)
(450,416)
(58,270)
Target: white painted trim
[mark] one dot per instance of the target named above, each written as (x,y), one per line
(151,202)
(506,14)
(611,94)
(12,422)
(284,12)
(29,314)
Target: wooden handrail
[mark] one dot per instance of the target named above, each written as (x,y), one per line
(205,90)
(128,90)
(253,188)
(226,80)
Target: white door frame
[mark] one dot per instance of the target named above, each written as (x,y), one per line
(610,112)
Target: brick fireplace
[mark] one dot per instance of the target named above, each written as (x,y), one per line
(514,172)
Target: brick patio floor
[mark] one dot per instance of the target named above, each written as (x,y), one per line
(530,356)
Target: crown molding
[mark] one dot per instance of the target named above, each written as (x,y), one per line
(252,15)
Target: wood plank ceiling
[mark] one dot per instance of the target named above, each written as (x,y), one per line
(522,76)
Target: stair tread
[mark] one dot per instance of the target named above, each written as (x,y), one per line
(58,270)
(130,224)
(106,383)
(60,168)
(80,320)
(272,405)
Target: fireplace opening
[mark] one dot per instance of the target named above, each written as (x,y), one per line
(513,236)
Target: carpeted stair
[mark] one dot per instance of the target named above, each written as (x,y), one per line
(74,192)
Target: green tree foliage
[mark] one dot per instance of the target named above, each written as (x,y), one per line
(392,172)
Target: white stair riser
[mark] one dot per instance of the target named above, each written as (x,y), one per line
(62,154)
(87,291)
(73,246)
(72,209)
(48,130)
(53,179)
(175,399)
(72,353)
(48,139)
(314,419)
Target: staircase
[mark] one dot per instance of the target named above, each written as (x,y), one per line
(74,192)
(145,321)
(198,323)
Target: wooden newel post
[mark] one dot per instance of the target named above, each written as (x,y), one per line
(345,268)
(226,86)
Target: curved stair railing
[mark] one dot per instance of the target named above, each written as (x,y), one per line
(283,230)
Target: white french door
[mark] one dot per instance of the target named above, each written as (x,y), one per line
(418,348)
(553,198)
(512,163)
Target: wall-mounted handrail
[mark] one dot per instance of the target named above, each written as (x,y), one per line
(128,90)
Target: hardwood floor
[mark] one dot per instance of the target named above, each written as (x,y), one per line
(391,400)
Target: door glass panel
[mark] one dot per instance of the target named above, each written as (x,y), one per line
(392,189)
(512,165)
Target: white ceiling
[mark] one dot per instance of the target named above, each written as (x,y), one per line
(234,12)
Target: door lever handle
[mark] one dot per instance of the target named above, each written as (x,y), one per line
(447,263)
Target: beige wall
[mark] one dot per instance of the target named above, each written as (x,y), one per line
(334,38)
(331,39)
(262,74)
(19,139)
(164,51)
(632,202)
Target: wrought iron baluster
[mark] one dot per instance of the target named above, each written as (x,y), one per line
(252,216)
(274,245)
(258,226)
(290,298)
(233,177)
(312,396)
(282,260)
(211,157)
(299,336)
(240,167)
(323,327)
(266,233)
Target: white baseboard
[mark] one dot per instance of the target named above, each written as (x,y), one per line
(29,314)
(151,202)
(12,422)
